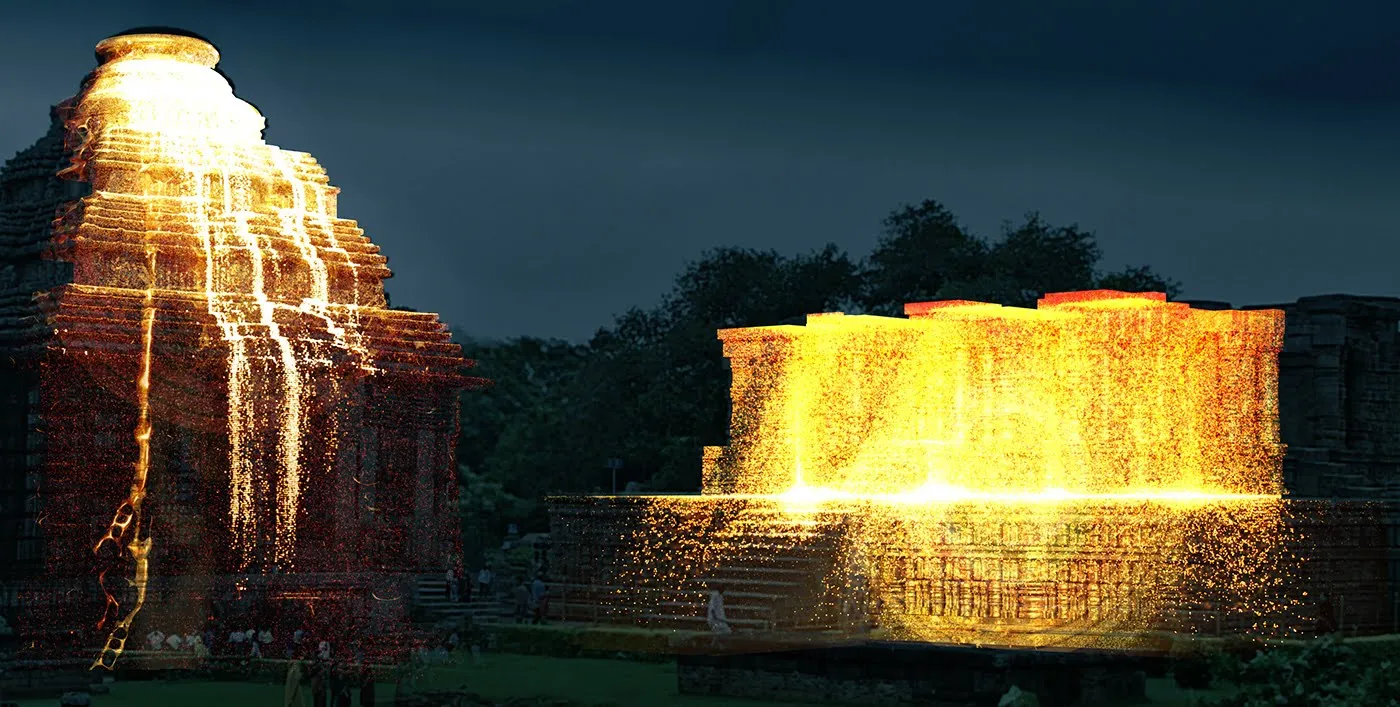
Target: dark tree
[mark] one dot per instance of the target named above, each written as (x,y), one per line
(1139,279)
(653,387)
(1037,258)
(925,255)
(922,250)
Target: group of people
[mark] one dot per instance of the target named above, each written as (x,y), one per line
(250,642)
(459,586)
(531,601)
(190,642)
(530,598)
(328,684)
(243,643)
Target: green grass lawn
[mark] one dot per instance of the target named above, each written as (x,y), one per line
(590,681)
(195,694)
(1163,691)
(496,676)
(629,684)
(501,676)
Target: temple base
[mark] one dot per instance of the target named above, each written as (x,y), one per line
(1063,575)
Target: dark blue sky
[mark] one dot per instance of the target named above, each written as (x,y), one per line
(535,167)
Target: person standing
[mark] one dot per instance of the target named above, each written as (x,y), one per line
(366,687)
(538,592)
(522,602)
(335,684)
(1326,615)
(318,687)
(291,692)
(342,695)
(197,646)
(406,687)
(235,642)
(715,612)
(451,576)
(483,581)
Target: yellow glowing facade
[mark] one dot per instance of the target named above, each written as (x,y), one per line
(1090,395)
(1070,475)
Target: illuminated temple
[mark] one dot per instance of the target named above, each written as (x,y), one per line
(209,411)
(1099,471)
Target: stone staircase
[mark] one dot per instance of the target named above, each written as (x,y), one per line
(772,573)
(774,569)
(436,602)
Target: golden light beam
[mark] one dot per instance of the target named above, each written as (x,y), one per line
(208,179)
(972,459)
(129,513)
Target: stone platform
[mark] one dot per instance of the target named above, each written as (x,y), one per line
(1065,576)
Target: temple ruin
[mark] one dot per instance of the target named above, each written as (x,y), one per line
(209,412)
(1089,473)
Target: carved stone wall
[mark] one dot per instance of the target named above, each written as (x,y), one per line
(301,433)
(1339,396)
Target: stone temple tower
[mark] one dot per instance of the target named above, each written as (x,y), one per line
(208,409)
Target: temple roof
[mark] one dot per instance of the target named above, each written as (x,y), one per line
(154,180)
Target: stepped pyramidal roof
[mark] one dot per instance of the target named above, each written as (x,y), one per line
(157,254)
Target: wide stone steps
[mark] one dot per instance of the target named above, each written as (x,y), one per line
(686,622)
(434,598)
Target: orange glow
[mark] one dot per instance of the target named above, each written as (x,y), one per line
(1094,395)
(129,514)
(166,136)
(193,289)
(1059,476)
(247,229)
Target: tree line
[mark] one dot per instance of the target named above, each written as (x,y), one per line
(652,388)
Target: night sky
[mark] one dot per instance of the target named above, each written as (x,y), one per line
(535,167)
